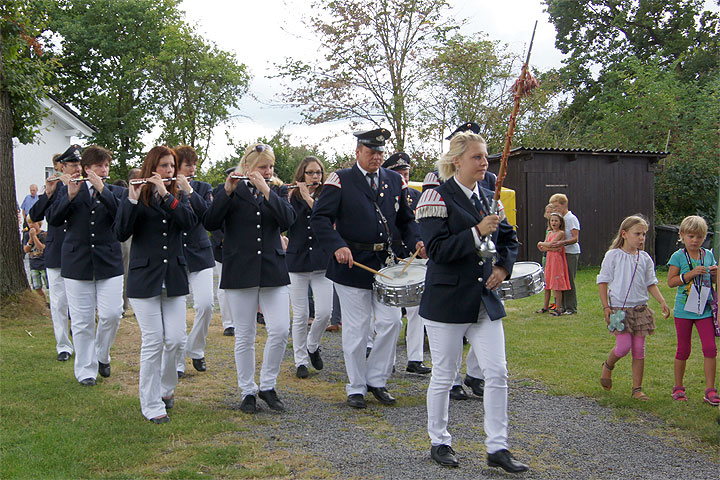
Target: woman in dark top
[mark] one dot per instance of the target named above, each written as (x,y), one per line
(307,262)
(156,213)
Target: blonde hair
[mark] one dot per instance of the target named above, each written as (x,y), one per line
(627,224)
(254,153)
(458,146)
(559,198)
(694,224)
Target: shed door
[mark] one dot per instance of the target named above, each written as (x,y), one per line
(539,186)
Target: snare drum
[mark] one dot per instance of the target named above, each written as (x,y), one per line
(527,279)
(401,289)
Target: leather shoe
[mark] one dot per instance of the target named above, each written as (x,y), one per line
(333,328)
(260,318)
(249,404)
(63,356)
(181,374)
(270,397)
(382,395)
(159,420)
(368,350)
(88,382)
(104,369)
(356,400)
(457,392)
(229,332)
(302,372)
(169,402)
(199,364)
(417,367)
(315,359)
(477,385)
(444,455)
(504,459)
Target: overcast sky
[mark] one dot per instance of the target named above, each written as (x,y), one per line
(265,32)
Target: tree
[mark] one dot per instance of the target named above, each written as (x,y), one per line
(105,48)
(372,62)
(197,86)
(23,72)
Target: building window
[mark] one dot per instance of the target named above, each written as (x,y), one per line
(49,172)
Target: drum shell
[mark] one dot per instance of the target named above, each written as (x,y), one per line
(530,283)
(399,295)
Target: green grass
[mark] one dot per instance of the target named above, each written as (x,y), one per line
(566,354)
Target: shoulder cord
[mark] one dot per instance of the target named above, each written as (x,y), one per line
(390,259)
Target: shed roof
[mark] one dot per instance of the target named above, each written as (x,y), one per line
(655,156)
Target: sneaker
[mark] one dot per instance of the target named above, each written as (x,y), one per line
(711,397)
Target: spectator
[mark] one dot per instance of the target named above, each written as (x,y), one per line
(29,200)
(572,249)
(34,246)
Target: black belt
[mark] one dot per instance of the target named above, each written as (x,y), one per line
(373,247)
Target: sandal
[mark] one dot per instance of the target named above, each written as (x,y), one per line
(542,310)
(556,313)
(606,382)
(712,397)
(678,394)
(638,394)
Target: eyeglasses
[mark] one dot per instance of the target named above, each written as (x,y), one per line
(313,172)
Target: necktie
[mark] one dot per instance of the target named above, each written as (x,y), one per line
(477,203)
(371,178)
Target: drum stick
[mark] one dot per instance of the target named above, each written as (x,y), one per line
(370,270)
(410,261)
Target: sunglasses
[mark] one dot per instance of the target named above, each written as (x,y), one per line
(261,147)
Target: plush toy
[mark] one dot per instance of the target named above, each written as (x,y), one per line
(616,321)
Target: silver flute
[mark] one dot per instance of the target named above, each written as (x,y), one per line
(291,186)
(82,179)
(139,181)
(240,177)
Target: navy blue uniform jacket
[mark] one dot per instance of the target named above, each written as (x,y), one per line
(398,246)
(253,255)
(304,252)
(156,252)
(456,274)
(347,203)
(55,235)
(196,242)
(90,250)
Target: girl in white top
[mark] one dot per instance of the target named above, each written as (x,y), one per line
(626,277)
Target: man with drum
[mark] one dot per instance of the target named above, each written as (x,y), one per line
(364,203)
(414,337)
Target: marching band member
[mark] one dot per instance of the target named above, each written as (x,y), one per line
(200,261)
(91,264)
(363,202)
(459,299)
(414,333)
(68,164)
(155,213)
(254,272)
(307,261)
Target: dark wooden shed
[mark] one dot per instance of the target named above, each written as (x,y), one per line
(602,186)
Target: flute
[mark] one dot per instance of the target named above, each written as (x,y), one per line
(290,186)
(82,179)
(139,181)
(239,177)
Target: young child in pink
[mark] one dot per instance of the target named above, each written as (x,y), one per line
(557,279)
(626,277)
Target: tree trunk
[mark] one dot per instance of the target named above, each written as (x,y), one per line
(12,271)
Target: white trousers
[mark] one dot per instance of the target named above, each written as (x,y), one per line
(59,311)
(322,289)
(488,339)
(473,368)
(193,346)
(275,305)
(414,336)
(222,300)
(84,298)
(162,324)
(359,306)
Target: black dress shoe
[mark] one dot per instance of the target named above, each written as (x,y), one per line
(457,392)
(504,459)
(104,369)
(199,364)
(249,404)
(159,420)
(315,359)
(302,372)
(169,402)
(181,374)
(356,400)
(260,318)
(417,367)
(367,351)
(229,332)
(444,455)
(88,382)
(270,397)
(477,385)
(382,395)
(63,356)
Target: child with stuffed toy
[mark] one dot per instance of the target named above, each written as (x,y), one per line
(691,270)
(626,277)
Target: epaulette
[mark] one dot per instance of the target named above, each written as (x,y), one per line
(333,180)
(431,180)
(431,204)
(501,211)
(404,184)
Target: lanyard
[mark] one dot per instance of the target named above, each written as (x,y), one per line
(637,261)
(698,280)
